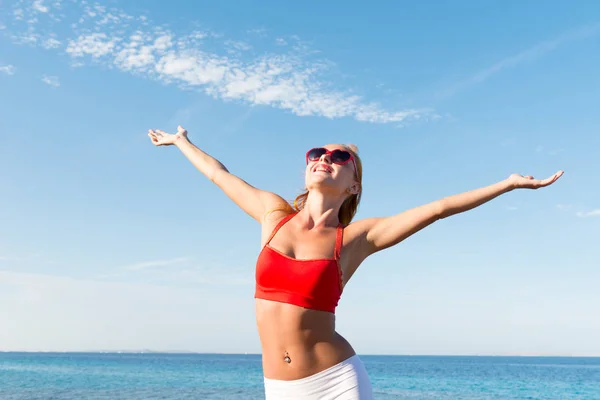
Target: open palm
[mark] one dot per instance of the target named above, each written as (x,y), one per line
(162,138)
(529,182)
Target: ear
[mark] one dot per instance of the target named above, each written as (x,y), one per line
(354,189)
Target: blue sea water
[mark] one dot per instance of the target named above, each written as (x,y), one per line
(69,376)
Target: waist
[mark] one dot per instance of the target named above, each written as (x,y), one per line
(307,337)
(317,303)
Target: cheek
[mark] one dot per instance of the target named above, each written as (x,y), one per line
(347,174)
(307,173)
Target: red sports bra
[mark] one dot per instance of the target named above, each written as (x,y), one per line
(314,284)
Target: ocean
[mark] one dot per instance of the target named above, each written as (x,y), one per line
(70,376)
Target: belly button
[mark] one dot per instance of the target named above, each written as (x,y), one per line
(287,358)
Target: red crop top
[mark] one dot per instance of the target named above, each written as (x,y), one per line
(314,284)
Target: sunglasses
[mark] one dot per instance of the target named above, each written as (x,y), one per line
(337,156)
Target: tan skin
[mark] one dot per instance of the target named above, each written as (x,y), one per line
(308,337)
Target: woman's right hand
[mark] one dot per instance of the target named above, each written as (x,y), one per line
(161,138)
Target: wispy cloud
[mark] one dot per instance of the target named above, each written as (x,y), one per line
(39,6)
(51,43)
(155,263)
(20,258)
(257,31)
(288,78)
(180,271)
(553,152)
(586,214)
(51,80)
(528,55)
(563,206)
(236,46)
(161,313)
(8,69)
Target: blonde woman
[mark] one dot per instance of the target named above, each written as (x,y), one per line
(310,250)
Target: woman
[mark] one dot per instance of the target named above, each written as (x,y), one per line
(309,253)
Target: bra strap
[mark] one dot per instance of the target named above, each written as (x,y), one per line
(279,225)
(338,241)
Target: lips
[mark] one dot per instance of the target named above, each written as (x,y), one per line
(323,167)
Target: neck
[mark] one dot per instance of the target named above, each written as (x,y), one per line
(321,210)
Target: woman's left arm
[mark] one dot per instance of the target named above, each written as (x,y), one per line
(381,233)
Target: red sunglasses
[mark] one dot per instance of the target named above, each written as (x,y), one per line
(336,156)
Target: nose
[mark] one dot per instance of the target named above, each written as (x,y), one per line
(326,158)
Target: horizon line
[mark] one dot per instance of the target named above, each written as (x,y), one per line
(185,352)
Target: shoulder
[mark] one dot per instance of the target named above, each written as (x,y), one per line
(273,217)
(360,228)
(355,236)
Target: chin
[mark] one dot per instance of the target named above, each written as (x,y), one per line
(323,185)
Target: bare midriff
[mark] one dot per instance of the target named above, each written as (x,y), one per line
(307,337)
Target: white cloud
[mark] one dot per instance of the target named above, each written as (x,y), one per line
(39,6)
(94,44)
(528,55)
(593,213)
(155,263)
(8,69)
(225,69)
(280,42)
(182,270)
(51,43)
(234,46)
(563,206)
(51,80)
(28,38)
(18,13)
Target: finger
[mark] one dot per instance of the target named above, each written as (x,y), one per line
(161,132)
(555,177)
(548,181)
(153,138)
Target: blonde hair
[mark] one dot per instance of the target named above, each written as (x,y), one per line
(350,205)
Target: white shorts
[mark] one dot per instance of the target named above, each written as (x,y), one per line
(347,380)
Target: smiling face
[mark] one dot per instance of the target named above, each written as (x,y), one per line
(330,173)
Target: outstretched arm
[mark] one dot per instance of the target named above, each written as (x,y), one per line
(253,201)
(381,233)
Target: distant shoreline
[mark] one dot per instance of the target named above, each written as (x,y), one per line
(183,352)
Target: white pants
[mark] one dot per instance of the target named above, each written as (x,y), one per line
(347,380)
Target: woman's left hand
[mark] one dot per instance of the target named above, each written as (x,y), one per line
(529,182)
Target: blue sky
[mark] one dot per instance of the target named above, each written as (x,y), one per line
(108,243)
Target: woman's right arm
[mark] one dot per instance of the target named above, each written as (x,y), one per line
(253,201)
